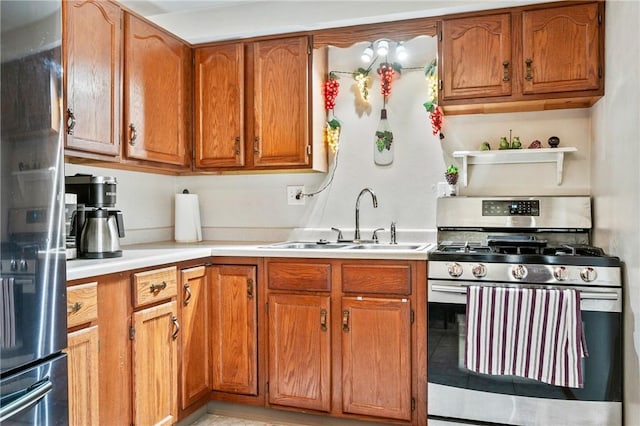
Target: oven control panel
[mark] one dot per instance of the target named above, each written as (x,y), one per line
(510,207)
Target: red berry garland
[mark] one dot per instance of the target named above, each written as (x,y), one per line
(330,93)
(436,120)
(386,73)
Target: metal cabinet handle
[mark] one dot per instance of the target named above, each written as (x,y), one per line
(345,320)
(256,144)
(155,288)
(505,75)
(250,288)
(133,134)
(187,299)
(529,75)
(236,146)
(323,319)
(176,326)
(71,121)
(72,309)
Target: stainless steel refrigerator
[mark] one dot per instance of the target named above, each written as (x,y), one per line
(33,368)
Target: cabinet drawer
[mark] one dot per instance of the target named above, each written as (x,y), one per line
(384,279)
(82,304)
(155,285)
(299,276)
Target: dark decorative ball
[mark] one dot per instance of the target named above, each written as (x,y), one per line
(554,141)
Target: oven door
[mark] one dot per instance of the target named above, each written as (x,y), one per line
(458,393)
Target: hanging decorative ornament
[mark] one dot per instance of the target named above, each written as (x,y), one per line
(383,141)
(331,87)
(332,134)
(386,73)
(363,82)
(431,105)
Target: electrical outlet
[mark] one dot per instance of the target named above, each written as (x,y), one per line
(294,195)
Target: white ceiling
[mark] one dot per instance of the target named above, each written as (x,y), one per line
(201,21)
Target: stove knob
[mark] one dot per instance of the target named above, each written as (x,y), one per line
(455,269)
(519,271)
(479,270)
(588,274)
(560,273)
(13,265)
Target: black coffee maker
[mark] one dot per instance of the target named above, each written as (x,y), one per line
(98,226)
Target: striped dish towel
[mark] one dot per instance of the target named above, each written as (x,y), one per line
(528,332)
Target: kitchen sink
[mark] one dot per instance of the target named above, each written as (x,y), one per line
(301,245)
(387,246)
(323,245)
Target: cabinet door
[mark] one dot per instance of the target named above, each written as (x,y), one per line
(378,384)
(195,379)
(234,338)
(155,365)
(219,106)
(83,381)
(281,102)
(300,351)
(476,57)
(156,94)
(561,50)
(92,46)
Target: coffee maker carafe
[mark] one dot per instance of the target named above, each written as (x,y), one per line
(101,226)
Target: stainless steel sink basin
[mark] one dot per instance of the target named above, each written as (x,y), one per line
(301,245)
(392,247)
(322,245)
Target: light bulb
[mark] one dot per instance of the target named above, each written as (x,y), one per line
(382,47)
(367,55)
(401,52)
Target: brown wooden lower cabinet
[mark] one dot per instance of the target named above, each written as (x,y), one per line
(193,306)
(378,384)
(234,328)
(82,352)
(299,351)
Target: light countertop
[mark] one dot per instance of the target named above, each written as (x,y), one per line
(152,254)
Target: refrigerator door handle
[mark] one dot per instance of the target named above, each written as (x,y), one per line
(31,397)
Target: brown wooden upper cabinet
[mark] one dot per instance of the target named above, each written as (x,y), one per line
(92,63)
(252,105)
(156,94)
(541,57)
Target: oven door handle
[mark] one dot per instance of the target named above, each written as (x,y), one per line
(449,289)
(599,296)
(583,295)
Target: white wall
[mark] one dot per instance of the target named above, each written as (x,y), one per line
(616,177)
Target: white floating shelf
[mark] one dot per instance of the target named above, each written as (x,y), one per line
(505,156)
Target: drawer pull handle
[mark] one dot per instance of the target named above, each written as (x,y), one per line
(345,320)
(133,134)
(505,75)
(529,76)
(176,326)
(72,309)
(323,319)
(156,288)
(250,288)
(256,144)
(187,290)
(71,121)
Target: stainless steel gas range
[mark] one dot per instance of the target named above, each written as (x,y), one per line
(532,243)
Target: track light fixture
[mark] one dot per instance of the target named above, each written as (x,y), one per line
(381,48)
(367,55)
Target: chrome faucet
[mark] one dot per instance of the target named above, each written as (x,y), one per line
(375,205)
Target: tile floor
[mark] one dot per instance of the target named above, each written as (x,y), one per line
(218,420)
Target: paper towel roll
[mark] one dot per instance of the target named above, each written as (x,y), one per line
(187,226)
